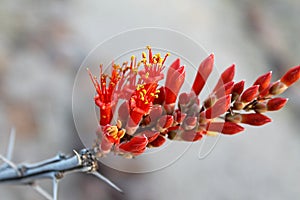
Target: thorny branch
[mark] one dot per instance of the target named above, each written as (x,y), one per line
(54,169)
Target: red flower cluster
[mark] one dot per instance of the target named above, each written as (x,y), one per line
(148,114)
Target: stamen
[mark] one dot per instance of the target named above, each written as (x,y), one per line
(167,54)
(150,54)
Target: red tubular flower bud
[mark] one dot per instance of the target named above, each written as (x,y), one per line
(179,116)
(263,81)
(203,73)
(172,87)
(225,90)
(173,67)
(228,128)
(155,113)
(123,112)
(219,108)
(226,77)
(291,76)
(276,103)
(151,135)
(211,100)
(250,94)
(255,119)
(183,99)
(277,88)
(191,135)
(160,140)
(231,128)
(260,107)
(237,90)
(190,123)
(164,122)
(135,146)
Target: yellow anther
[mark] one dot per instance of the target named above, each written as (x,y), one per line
(132,57)
(157,91)
(144,91)
(121,133)
(139,86)
(142,96)
(144,55)
(147,75)
(148,47)
(160,60)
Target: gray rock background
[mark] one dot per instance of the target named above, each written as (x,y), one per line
(42,44)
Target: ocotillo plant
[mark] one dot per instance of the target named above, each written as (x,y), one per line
(137,111)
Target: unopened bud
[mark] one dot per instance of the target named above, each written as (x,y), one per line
(260,107)
(190,123)
(255,119)
(160,140)
(191,136)
(250,94)
(277,88)
(164,122)
(291,76)
(276,103)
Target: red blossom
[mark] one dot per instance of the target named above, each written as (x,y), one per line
(291,76)
(152,71)
(113,134)
(164,122)
(174,81)
(228,128)
(139,105)
(191,135)
(160,140)
(106,98)
(237,90)
(250,94)
(203,73)
(135,146)
(219,108)
(226,77)
(179,116)
(276,103)
(263,81)
(255,119)
(151,135)
(190,122)
(225,90)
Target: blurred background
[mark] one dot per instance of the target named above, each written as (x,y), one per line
(43,43)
